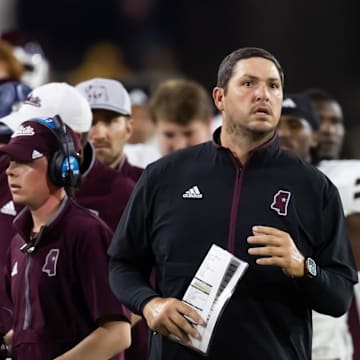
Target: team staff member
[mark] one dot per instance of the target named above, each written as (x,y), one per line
(11,93)
(58,257)
(297,132)
(100,185)
(244,194)
(111,127)
(111,124)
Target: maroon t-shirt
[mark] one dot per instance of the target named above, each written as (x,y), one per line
(60,290)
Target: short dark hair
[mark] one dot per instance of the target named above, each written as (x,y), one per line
(227,66)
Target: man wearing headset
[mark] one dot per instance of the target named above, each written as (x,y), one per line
(62,307)
(100,185)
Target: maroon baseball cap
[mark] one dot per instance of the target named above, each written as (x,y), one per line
(34,139)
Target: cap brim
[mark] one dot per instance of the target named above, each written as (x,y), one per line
(14,120)
(16,152)
(110,108)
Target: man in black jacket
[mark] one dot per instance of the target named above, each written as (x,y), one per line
(244,194)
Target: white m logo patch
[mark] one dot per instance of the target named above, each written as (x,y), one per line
(50,262)
(281,202)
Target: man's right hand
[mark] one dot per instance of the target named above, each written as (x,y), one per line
(168,316)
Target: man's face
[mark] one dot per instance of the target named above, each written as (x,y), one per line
(143,127)
(253,100)
(296,136)
(29,183)
(332,131)
(174,137)
(108,134)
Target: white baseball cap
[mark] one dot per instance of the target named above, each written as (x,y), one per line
(106,94)
(53,99)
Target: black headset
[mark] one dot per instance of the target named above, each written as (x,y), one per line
(64,165)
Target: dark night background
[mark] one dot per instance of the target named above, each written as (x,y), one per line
(315,41)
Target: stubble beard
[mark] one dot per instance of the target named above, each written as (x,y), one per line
(239,131)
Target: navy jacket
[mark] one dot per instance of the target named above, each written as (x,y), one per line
(193,198)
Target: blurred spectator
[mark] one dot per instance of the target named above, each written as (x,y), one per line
(30,53)
(298,126)
(332,129)
(11,94)
(183,112)
(142,147)
(11,69)
(143,126)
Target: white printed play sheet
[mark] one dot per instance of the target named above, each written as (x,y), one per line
(211,288)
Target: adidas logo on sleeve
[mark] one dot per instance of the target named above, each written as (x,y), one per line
(193,193)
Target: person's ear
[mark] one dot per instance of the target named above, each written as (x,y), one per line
(218,96)
(129,125)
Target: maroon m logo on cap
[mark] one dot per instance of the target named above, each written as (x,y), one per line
(281,202)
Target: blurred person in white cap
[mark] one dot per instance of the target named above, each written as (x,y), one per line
(53,98)
(111,123)
(64,100)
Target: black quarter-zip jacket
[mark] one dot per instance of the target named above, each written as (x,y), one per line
(193,198)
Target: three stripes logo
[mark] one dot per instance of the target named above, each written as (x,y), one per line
(193,193)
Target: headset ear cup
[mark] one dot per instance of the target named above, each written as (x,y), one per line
(73,175)
(64,171)
(55,169)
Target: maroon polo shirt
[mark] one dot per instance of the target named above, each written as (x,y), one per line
(60,290)
(103,190)
(131,171)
